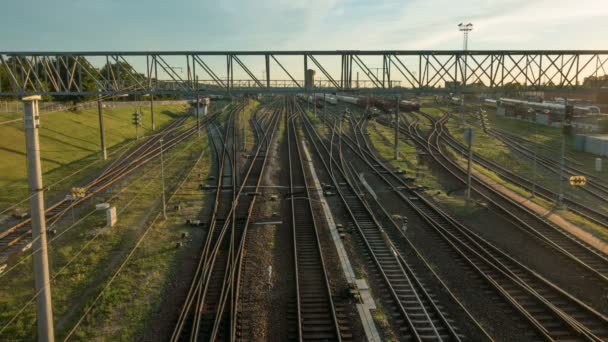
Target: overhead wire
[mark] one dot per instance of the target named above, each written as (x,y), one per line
(85,246)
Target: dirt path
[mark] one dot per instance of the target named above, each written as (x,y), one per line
(548,214)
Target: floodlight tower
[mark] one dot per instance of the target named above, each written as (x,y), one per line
(465,29)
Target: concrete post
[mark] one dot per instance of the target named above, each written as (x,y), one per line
(104,153)
(397,128)
(198,119)
(152,111)
(162,173)
(562,162)
(560,196)
(469,164)
(44,309)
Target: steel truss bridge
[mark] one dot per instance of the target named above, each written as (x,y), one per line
(233,72)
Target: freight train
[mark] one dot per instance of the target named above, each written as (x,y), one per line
(383,104)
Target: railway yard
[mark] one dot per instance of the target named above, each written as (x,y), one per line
(291,218)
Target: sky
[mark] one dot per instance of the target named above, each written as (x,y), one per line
(94,25)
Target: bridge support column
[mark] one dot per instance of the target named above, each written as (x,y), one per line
(44,309)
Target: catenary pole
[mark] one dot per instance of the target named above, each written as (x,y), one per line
(162,174)
(44,308)
(104,153)
(397,128)
(198,119)
(152,111)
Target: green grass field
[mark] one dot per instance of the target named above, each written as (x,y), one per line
(69,141)
(87,254)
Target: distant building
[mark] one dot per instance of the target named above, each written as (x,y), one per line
(452,85)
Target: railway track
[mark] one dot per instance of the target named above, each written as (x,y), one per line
(15,238)
(209,312)
(418,317)
(316,319)
(221,141)
(594,187)
(592,214)
(552,312)
(589,258)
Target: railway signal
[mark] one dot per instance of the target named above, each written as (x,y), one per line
(136,119)
(78,192)
(74,195)
(578,180)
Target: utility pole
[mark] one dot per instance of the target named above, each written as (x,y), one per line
(104,153)
(397,128)
(566,123)
(560,198)
(465,29)
(324,105)
(469,135)
(44,308)
(162,175)
(152,110)
(198,120)
(314,95)
(535,162)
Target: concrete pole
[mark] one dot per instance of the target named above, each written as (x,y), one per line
(469,164)
(397,128)
(104,153)
(535,162)
(162,174)
(152,111)
(315,106)
(44,308)
(198,120)
(560,197)
(324,105)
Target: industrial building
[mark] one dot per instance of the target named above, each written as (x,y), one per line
(594,144)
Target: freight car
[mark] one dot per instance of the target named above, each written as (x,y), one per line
(329,98)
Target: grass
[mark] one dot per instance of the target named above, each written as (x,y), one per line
(245,117)
(321,128)
(381,138)
(69,141)
(127,309)
(550,137)
(94,251)
(490,148)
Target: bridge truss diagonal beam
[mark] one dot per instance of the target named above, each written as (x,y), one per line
(199,72)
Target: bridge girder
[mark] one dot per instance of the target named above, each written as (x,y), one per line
(88,73)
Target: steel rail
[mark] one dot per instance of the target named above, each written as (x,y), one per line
(222,161)
(498,266)
(418,324)
(219,270)
(16,233)
(316,311)
(242,215)
(559,240)
(585,211)
(594,187)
